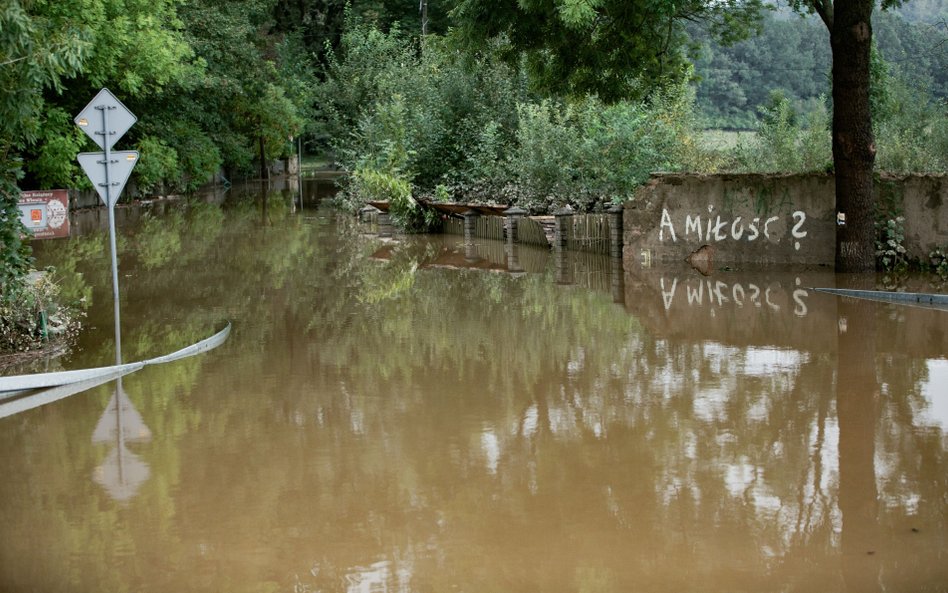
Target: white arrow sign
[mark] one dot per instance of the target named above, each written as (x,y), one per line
(105,119)
(121,163)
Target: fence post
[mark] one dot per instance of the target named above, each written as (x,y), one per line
(513,223)
(618,281)
(560,243)
(513,260)
(470,227)
(561,230)
(615,231)
(385,224)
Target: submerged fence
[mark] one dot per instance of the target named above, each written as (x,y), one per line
(593,233)
(588,232)
(529,231)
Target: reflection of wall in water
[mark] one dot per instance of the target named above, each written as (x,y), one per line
(736,308)
(771,308)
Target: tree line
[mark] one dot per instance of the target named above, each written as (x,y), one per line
(793,56)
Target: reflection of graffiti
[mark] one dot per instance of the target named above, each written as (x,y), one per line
(715,229)
(718,293)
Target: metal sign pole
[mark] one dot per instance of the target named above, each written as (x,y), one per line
(108,176)
(112,243)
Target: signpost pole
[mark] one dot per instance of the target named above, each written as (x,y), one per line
(112,243)
(108,170)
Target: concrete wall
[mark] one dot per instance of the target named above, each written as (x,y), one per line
(767,219)
(923,201)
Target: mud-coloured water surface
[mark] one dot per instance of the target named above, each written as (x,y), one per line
(429,416)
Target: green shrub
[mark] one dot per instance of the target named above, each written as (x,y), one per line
(911,129)
(15,258)
(890,244)
(382,186)
(446,117)
(938,262)
(587,154)
(199,158)
(787,142)
(158,163)
(31,313)
(59,141)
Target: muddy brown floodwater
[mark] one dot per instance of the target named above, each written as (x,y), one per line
(422,416)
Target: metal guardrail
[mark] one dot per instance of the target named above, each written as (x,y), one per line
(25,392)
(915,298)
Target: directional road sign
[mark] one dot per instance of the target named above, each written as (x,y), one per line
(105,120)
(105,107)
(121,163)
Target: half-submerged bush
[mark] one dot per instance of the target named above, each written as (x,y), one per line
(372,185)
(31,316)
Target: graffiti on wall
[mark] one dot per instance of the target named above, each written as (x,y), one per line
(714,228)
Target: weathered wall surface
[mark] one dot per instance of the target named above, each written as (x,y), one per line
(923,201)
(767,219)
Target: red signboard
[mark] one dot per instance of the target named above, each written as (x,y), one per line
(45,213)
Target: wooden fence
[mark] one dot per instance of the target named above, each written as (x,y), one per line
(529,231)
(588,232)
(584,232)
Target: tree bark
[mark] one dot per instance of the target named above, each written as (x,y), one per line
(854,148)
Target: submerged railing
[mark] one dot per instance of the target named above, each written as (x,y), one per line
(25,392)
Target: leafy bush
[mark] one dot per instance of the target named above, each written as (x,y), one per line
(15,253)
(199,158)
(911,129)
(786,142)
(890,244)
(587,153)
(59,141)
(375,185)
(938,260)
(158,163)
(31,312)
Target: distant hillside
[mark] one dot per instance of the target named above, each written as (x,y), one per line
(792,55)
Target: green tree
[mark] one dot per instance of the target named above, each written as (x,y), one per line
(256,90)
(35,54)
(605,47)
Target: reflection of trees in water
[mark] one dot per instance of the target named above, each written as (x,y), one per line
(403,410)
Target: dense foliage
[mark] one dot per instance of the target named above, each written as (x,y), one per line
(793,55)
(537,103)
(416,117)
(214,83)
(605,47)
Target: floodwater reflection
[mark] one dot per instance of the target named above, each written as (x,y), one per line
(123,472)
(428,415)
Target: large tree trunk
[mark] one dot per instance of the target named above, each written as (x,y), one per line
(854,149)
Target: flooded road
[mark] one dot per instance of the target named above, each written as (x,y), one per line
(425,416)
